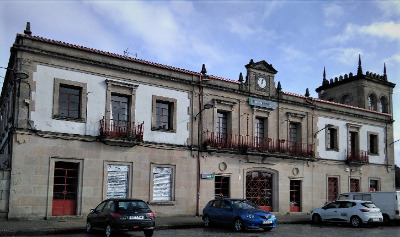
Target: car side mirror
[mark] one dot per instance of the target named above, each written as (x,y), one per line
(91,210)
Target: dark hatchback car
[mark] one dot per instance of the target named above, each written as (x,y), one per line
(121,215)
(239,213)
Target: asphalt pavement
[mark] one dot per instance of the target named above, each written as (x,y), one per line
(61,225)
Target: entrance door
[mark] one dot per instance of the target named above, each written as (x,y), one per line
(295,188)
(65,188)
(259,188)
(222,186)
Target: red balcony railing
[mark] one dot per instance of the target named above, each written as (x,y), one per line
(257,143)
(357,156)
(121,129)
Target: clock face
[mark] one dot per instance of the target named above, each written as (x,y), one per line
(262,82)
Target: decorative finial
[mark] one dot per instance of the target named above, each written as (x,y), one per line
(251,61)
(279,88)
(241,77)
(203,70)
(307,93)
(384,72)
(359,70)
(28,31)
(324,75)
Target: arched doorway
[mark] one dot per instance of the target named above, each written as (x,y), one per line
(259,188)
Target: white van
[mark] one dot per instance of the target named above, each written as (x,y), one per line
(388,202)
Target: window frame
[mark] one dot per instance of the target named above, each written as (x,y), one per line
(58,82)
(375,145)
(330,196)
(173,181)
(328,138)
(378,184)
(124,90)
(172,113)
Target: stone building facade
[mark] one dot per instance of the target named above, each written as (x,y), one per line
(87,125)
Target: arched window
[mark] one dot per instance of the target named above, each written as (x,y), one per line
(383,105)
(346,100)
(372,102)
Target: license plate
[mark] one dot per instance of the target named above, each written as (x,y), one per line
(136,217)
(267,222)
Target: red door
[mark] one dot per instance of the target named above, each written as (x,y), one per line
(295,190)
(65,188)
(259,189)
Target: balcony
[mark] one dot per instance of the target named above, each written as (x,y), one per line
(120,132)
(357,157)
(258,144)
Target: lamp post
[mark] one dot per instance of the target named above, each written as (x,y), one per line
(202,77)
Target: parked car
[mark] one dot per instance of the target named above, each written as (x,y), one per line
(121,214)
(240,213)
(388,202)
(355,212)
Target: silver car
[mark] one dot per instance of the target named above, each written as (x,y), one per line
(354,212)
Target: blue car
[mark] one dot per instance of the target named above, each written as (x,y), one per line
(240,213)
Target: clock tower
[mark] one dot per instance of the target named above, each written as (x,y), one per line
(260,78)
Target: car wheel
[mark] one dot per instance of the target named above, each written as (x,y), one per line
(148,233)
(88,227)
(238,225)
(108,230)
(386,219)
(355,221)
(206,221)
(316,219)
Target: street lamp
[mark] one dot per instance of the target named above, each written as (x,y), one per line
(206,106)
(327,126)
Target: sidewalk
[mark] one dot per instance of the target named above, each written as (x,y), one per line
(76,225)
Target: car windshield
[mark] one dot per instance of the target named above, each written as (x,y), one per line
(244,204)
(368,204)
(131,205)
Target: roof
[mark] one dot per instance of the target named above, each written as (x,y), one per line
(118,56)
(311,99)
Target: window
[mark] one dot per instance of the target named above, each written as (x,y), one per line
(332,138)
(222,127)
(259,132)
(293,136)
(374,185)
(346,100)
(164,114)
(383,105)
(222,186)
(117,181)
(354,185)
(373,143)
(333,188)
(163,183)
(372,102)
(69,100)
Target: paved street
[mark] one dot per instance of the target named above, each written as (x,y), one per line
(304,230)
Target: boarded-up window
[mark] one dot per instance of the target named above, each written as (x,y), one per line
(117,181)
(162,183)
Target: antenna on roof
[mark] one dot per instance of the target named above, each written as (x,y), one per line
(127,53)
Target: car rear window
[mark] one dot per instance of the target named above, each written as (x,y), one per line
(368,204)
(131,205)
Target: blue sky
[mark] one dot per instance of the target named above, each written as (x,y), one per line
(299,38)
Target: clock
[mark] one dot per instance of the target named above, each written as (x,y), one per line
(262,83)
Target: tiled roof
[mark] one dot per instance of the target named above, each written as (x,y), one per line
(114,55)
(335,103)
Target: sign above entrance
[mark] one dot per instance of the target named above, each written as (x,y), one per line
(207,176)
(262,103)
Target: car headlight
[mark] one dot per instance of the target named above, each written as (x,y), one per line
(250,216)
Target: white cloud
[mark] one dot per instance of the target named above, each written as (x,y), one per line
(332,13)
(386,30)
(389,8)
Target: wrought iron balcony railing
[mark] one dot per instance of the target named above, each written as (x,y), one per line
(121,129)
(357,156)
(259,144)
